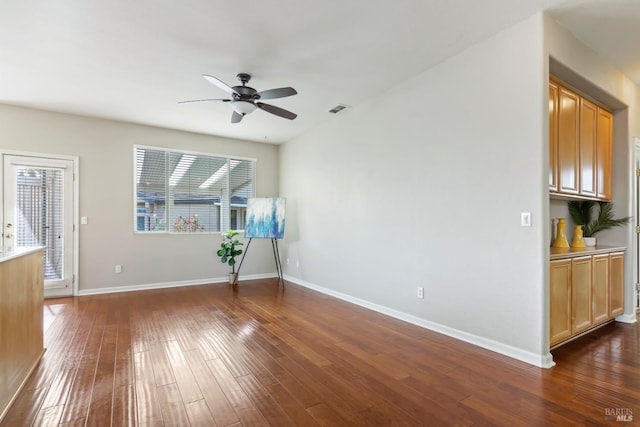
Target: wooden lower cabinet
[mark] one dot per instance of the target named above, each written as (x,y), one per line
(21,332)
(600,288)
(581,283)
(560,300)
(616,287)
(585,291)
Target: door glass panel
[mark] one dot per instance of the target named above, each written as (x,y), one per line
(40,215)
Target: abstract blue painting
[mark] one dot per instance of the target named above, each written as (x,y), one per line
(265,218)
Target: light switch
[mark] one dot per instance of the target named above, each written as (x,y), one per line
(525,219)
(84,220)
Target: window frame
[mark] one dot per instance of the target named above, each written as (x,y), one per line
(166,150)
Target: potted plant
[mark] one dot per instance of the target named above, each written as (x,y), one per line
(228,252)
(581,214)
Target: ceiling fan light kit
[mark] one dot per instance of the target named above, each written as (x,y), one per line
(243,107)
(244,99)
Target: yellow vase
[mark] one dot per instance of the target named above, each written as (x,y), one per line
(578,241)
(561,235)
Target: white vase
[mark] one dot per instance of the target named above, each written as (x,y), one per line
(589,241)
(233,278)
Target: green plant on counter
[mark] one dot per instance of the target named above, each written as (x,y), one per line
(581,213)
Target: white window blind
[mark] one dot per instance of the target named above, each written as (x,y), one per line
(181,192)
(40,215)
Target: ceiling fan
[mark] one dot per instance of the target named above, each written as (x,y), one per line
(245,99)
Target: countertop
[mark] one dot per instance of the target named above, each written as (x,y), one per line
(18,252)
(562,253)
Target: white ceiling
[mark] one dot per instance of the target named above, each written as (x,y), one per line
(134,60)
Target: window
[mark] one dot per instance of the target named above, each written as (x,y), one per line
(183,192)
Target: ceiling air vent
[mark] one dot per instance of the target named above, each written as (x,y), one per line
(338,108)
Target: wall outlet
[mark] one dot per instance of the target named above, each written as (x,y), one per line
(420,293)
(287,261)
(118,268)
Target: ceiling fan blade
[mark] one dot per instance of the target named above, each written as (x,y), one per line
(222,85)
(280,92)
(236,117)
(277,110)
(204,100)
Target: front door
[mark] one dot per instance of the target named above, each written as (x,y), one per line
(38,198)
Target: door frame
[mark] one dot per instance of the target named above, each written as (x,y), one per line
(636,223)
(76,202)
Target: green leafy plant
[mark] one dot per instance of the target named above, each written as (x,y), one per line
(581,213)
(228,249)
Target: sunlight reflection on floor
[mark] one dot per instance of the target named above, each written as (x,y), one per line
(49,315)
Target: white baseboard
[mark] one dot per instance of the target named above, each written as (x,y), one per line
(162,285)
(627,318)
(540,360)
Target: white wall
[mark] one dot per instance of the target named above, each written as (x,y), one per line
(424,186)
(105,149)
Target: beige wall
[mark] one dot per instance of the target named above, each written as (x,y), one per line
(105,149)
(423,187)
(586,70)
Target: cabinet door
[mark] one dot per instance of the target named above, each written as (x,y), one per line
(568,149)
(553,136)
(600,288)
(616,284)
(560,301)
(587,147)
(581,294)
(604,155)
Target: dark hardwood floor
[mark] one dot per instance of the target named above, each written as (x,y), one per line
(206,356)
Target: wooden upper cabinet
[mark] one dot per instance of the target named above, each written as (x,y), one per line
(568,147)
(580,145)
(587,147)
(604,153)
(553,136)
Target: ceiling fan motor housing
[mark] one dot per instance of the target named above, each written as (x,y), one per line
(245,93)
